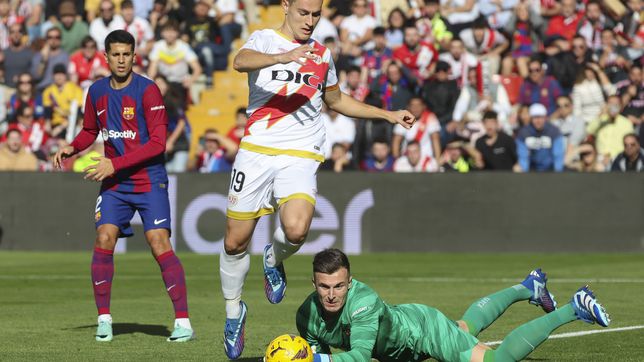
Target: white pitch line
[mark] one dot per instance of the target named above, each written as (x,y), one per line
(578,334)
(372,279)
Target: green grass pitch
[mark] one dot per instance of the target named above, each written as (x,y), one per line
(47,309)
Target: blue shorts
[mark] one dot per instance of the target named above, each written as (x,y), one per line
(117,208)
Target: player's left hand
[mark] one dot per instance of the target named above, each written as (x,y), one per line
(99,171)
(402,117)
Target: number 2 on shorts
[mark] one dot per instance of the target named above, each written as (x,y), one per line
(237,180)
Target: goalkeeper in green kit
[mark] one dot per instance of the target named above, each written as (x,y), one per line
(346,314)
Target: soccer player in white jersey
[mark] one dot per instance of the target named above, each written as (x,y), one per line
(289,76)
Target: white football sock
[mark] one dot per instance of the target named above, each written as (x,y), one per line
(105,318)
(282,248)
(183,323)
(233,270)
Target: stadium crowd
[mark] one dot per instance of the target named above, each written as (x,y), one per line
(516,85)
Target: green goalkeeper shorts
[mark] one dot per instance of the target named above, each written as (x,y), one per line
(440,337)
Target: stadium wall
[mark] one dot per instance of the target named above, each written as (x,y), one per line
(358,212)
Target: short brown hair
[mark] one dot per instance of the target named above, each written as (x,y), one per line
(329,261)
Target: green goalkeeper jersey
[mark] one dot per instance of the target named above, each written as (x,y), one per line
(368,328)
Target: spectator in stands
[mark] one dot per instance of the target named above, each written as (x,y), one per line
(632,159)
(572,128)
(342,61)
(42,67)
(32,13)
(580,50)
(139,27)
(414,161)
(61,100)
(394,90)
(498,13)
(584,158)
(630,29)
(460,156)
(230,19)
(539,88)
(567,22)
(459,60)
(561,63)
(631,91)
(353,84)
(25,95)
(18,56)
(612,57)
(498,150)
(7,18)
(540,146)
(485,43)
(374,61)
(426,131)
(237,131)
(432,26)
(339,129)
(201,32)
(476,97)
(218,154)
(178,142)
(526,28)
(32,130)
(87,64)
(174,59)
(356,31)
(593,24)
(325,29)
(610,128)
(142,8)
(380,159)
(588,92)
(105,23)
(339,161)
(459,13)
(73,30)
(395,23)
(440,93)
(419,58)
(14,156)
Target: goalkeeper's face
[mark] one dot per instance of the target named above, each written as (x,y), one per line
(332,289)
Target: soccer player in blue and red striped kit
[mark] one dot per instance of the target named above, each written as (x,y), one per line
(127,110)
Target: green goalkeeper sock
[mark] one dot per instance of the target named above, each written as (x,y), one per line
(486,310)
(524,339)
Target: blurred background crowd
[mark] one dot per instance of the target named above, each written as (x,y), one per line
(515,85)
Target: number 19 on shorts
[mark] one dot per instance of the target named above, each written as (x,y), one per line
(237,180)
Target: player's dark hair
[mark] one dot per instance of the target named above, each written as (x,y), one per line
(118,36)
(241,110)
(329,261)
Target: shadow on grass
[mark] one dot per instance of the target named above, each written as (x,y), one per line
(130,328)
(250,359)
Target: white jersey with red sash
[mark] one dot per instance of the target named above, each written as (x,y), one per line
(285,100)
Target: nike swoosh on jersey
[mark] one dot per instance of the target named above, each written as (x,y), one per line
(100,112)
(157,222)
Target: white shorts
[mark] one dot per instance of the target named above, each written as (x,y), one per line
(257,178)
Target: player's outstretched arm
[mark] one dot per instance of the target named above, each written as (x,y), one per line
(347,105)
(248,60)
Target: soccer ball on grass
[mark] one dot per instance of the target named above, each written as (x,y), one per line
(288,348)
